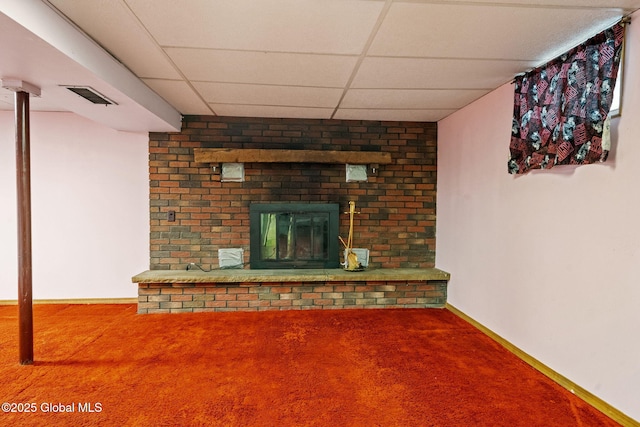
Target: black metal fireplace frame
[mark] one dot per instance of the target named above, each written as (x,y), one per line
(325,209)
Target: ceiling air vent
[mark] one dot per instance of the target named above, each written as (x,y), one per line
(91,95)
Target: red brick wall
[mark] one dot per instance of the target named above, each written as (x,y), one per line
(397,205)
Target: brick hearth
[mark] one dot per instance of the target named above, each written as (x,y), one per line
(252,290)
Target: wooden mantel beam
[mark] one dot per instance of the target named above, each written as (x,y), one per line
(230,155)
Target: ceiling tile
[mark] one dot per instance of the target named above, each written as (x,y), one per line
(483,31)
(131,43)
(263,67)
(180,95)
(399,59)
(271,111)
(271,25)
(416,73)
(621,4)
(410,99)
(291,96)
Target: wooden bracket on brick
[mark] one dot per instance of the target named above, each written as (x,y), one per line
(229,155)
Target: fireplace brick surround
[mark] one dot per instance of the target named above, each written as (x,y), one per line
(396,205)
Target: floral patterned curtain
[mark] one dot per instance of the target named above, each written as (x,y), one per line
(560,109)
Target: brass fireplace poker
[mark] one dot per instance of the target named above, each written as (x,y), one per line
(351,259)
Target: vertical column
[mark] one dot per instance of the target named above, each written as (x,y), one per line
(23,169)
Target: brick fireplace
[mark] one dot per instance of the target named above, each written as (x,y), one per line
(193,212)
(397,203)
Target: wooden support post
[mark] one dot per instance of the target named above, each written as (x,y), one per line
(23,169)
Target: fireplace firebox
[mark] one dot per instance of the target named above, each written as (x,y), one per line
(294,235)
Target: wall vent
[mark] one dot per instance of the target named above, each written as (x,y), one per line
(90,94)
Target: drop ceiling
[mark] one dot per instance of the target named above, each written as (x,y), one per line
(345,59)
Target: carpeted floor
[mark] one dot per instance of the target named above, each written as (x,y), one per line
(292,368)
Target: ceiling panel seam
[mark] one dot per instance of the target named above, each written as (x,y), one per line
(166,56)
(363,54)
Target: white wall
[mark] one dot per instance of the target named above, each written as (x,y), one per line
(550,260)
(90,214)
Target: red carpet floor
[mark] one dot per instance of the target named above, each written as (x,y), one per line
(107,365)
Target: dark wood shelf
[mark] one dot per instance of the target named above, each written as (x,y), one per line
(228,155)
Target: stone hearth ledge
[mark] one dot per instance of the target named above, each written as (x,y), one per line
(289,275)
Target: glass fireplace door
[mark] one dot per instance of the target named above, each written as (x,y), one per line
(290,236)
(293,236)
